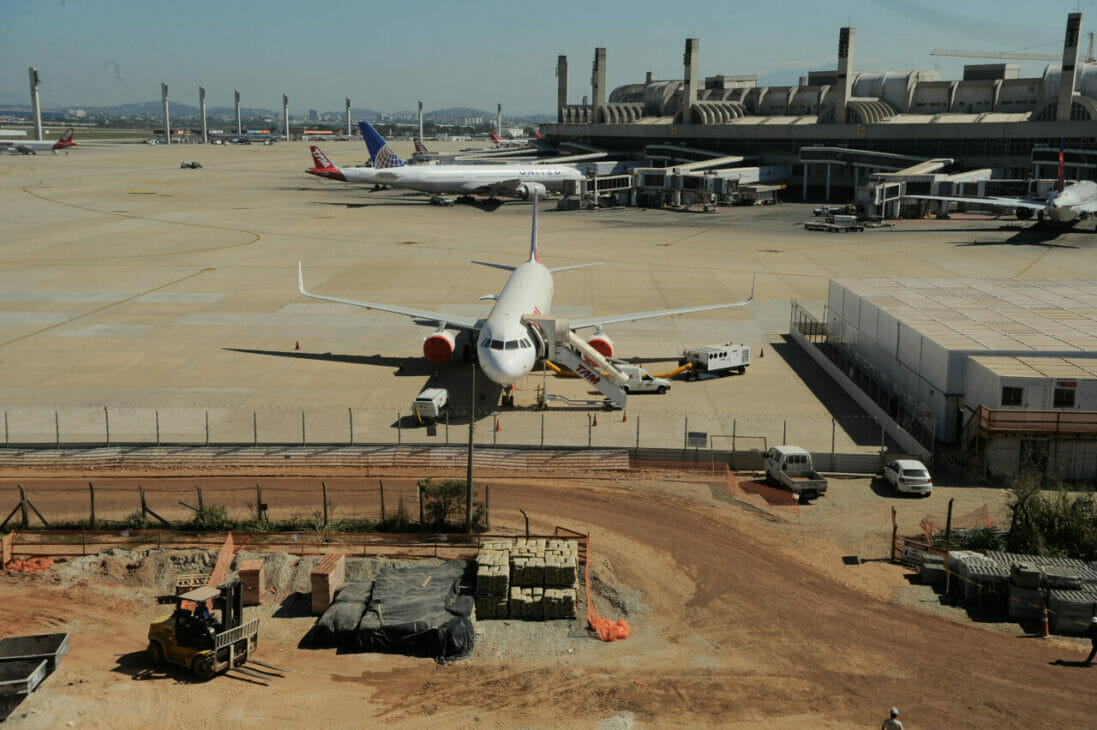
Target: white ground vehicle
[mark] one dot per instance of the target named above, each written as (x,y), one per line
(640,380)
(430,403)
(719,359)
(909,476)
(791,467)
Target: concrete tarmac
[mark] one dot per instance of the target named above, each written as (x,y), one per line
(168,297)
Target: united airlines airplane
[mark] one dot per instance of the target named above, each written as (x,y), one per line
(521,180)
(507,348)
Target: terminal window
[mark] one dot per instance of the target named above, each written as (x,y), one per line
(1013,396)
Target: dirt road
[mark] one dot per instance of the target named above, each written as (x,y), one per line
(739,620)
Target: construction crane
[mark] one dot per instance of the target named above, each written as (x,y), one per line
(1009,55)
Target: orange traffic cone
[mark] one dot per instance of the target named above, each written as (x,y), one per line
(595,420)
(297,345)
(624,416)
(1044,632)
(498,428)
(762,352)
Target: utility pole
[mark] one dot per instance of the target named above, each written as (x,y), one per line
(468,473)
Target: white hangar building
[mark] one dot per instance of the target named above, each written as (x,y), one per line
(1007,367)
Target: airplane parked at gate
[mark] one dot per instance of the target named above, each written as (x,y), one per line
(515,142)
(507,347)
(33,147)
(522,181)
(1067,204)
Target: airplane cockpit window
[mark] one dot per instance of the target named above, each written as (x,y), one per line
(497,344)
(486,342)
(512,344)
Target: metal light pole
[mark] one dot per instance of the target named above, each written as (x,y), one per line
(34,103)
(285,116)
(202,112)
(348,116)
(236,99)
(420,120)
(167,116)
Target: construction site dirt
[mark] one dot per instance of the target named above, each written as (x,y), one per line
(740,617)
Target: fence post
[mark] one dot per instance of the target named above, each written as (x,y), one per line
(447,427)
(350,418)
(542,428)
(882,444)
(399,433)
(590,429)
(784,431)
(157,414)
(685,439)
(106,420)
(23,506)
(57,429)
(419,499)
(91,498)
(304,441)
(382,483)
(254,429)
(495,433)
(487,506)
(207,428)
(198,489)
(260,510)
(6,440)
(324,485)
(637,437)
(833,430)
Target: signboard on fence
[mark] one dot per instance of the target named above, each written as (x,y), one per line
(697,439)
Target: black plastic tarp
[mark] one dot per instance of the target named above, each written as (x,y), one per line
(339,624)
(420,611)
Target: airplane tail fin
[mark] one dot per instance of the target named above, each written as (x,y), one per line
(323,168)
(538,135)
(533,254)
(379,151)
(419,146)
(1062,166)
(65,141)
(494,137)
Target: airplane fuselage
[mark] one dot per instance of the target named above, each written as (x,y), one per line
(506,348)
(1064,206)
(460,179)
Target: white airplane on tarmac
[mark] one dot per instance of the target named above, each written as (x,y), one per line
(33,146)
(1067,204)
(507,344)
(522,181)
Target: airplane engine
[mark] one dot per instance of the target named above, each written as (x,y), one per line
(439,347)
(1023,214)
(603,344)
(528,190)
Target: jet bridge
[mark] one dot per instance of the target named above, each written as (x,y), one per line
(560,344)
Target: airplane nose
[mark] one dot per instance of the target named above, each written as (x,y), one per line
(504,368)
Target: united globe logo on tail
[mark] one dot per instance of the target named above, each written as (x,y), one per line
(380,153)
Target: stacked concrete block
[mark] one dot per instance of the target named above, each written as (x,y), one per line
(328,576)
(493,580)
(1061,578)
(1071,610)
(527,578)
(933,569)
(252,580)
(527,603)
(1025,575)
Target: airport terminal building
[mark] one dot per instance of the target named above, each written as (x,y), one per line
(836,127)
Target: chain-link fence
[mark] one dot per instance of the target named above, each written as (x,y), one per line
(73,427)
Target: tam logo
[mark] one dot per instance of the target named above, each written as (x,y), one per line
(588,375)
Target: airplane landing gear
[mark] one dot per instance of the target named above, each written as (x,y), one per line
(508,396)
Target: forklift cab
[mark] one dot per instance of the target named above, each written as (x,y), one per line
(191,636)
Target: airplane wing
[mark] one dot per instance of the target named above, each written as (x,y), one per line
(499,187)
(578,324)
(1090,207)
(450,320)
(996,202)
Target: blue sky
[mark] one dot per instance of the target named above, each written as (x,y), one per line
(384,55)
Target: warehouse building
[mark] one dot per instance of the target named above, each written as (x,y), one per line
(991,118)
(1006,367)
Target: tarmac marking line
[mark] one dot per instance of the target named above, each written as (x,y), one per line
(257,237)
(105,307)
(1032,263)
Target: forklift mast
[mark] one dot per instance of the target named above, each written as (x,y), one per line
(231,603)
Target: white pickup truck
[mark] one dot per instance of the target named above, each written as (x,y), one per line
(640,380)
(430,403)
(791,467)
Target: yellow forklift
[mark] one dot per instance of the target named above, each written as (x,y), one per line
(195,637)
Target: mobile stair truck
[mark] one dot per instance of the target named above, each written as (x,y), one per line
(791,467)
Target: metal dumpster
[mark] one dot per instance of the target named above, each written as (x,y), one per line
(21,677)
(48,647)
